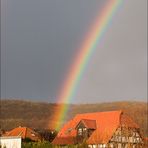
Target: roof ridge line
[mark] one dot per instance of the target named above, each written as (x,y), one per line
(101,112)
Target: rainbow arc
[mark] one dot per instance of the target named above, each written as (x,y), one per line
(88,47)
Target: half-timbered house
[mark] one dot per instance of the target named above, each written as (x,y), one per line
(112,129)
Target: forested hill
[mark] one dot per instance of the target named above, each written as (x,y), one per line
(38,114)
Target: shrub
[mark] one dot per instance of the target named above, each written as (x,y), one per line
(43,144)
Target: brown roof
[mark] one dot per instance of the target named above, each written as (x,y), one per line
(106,125)
(90,124)
(65,140)
(128,122)
(24,132)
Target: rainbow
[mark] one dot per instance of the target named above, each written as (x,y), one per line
(93,38)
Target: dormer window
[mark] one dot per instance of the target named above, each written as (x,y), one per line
(85,128)
(68,131)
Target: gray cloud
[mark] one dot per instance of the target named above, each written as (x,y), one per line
(40,39)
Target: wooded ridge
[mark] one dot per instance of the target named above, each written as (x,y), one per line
(37,115)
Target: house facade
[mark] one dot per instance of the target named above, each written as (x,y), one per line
(112,129)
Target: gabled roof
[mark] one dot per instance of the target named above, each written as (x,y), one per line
(106,125)
(90,124)
(24,132)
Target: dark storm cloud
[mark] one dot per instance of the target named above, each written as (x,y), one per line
(40,38)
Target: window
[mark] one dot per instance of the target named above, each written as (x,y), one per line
(84,129)
(80,131)
(32,134)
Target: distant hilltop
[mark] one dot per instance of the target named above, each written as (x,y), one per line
(38,114)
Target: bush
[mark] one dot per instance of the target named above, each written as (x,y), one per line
(46,144)
(43,144)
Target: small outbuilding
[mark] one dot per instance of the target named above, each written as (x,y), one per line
(24,133)
(10,142)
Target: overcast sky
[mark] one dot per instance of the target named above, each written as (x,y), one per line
(40,38)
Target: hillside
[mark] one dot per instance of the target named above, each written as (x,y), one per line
(38,114)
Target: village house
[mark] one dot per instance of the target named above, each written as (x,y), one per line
(112,129)
(24,133)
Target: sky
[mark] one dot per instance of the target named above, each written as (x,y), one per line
(40,38)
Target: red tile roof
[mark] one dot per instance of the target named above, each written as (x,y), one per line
(106,125)
(24,132)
